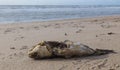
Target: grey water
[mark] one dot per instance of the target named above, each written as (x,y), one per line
(30,13)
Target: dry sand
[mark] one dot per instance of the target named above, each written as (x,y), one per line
(99,32)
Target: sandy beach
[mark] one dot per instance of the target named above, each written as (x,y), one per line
(98,32)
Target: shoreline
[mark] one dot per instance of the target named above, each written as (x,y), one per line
(66,19)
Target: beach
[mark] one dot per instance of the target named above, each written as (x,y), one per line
(97,32)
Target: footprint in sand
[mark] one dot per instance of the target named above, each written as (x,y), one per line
(36,27)
(99,65)
(57,25)
(107,26)
(23,47)
(114,67)
(18,38)
(1,55)
(78,68)
(63,67)
(76,25)
(21,54)
(75,63)
(95,20)
(78,31)
(102,64)
(17,54)
(45,26)
(21,27)
(82,26)
(7,30)
(109,33)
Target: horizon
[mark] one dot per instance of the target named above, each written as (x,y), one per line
(61,2)
(54,5)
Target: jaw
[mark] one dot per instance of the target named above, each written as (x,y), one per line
(39,52)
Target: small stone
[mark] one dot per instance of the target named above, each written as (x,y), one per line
(65,34)
(12,47)
(21,37)
(96,35)
(110,33)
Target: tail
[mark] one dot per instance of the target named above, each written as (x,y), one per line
(103,51)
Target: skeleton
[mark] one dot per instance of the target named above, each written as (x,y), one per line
(66,49)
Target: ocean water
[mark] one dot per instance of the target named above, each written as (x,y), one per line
(30,13)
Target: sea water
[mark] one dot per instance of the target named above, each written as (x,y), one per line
(31,13)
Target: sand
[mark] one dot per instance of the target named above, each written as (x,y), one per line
(98,32)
